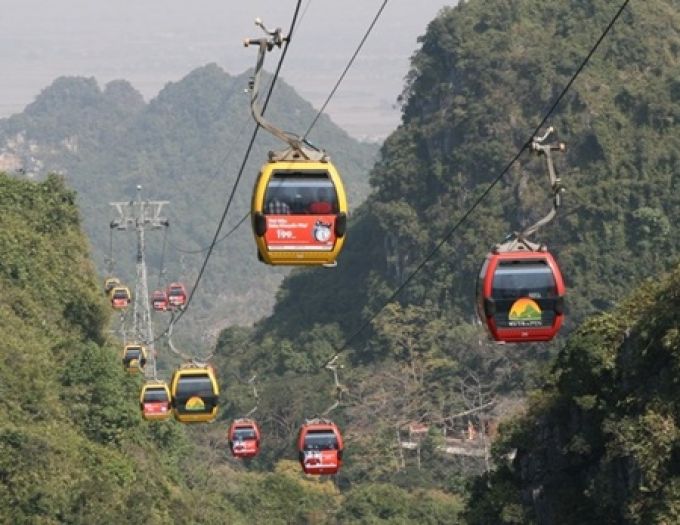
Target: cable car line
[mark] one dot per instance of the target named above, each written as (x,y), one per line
(316,118)
(349,65)
(161,266)
(486,192)
(312,431)
(304,12)
(225,236)
(240,172)
(170,343)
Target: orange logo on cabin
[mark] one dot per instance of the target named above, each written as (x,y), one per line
(195,403)
(525,309)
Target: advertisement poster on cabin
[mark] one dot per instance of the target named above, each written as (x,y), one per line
(285,232)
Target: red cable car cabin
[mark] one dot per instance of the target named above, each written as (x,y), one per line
(177,294)
(320,447)
(159,301)
(520,296)
(244,438)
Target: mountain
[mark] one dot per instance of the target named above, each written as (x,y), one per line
(482,79)
(420,392)
(73,447)
(184,146)
(485,74)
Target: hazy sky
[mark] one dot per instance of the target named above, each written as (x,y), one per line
(151,42)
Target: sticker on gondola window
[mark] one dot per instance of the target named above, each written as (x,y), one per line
(525,312)
(195,403)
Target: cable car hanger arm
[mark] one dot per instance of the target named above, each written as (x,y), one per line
(340,389)
(538,146)
(296,144)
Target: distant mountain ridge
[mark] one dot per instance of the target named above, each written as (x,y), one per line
(184,146)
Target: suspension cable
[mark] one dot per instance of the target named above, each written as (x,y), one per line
(486,192)
(109,260)
(240,172)
(349,65)
(171,344)
(304,12)
(161,266)
(225,236)
(298,24)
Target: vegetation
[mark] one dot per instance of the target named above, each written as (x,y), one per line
(69,425)
(484,76)
(184,146)
(600,442)
(421,389)
(73,448)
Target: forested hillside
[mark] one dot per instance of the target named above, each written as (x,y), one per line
(185,146)
(73,447)
(587,424)
(599,443)
(484,76)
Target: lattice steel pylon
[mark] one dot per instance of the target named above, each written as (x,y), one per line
(141,215)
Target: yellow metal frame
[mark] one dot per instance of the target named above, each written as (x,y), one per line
(257,206)
(112,293)
(110,283)
(134,366)
(186,371)
(147,386)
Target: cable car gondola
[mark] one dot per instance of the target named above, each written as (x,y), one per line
(110,283)
(320,447)
(244,438)
(120,297)
(195,394)
(134,357)
(521,296)
(155,401)
(177,294)
(159,301)
(520,289)
(299,211)
(299,206)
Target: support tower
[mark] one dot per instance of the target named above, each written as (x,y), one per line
(140,215)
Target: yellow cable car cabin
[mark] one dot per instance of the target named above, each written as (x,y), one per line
(195,394)
(120,297)
(134,358)
(110,283)
(155,401)
(299,212)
